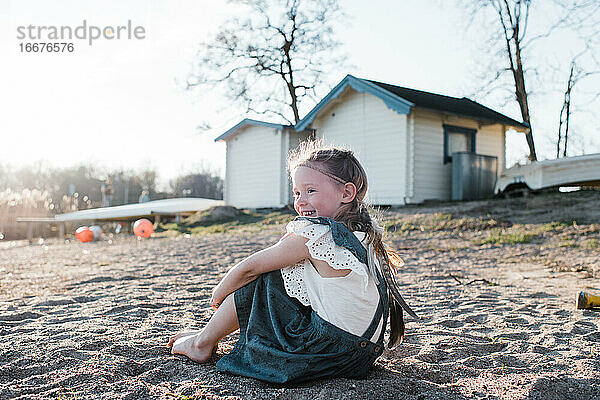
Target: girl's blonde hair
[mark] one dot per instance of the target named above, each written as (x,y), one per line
(342,166)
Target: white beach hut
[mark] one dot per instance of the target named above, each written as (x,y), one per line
(404,138)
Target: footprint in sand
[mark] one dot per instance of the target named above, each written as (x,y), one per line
(451,323)
(433,356)
(119,309)
(87,299)
(541,295)
(592,337)
(583,327)
(130,367)
(55,302)
(517,320)
(541,349)
(476,318)
(514,336)
(95,345)
(20,316)
(70,353)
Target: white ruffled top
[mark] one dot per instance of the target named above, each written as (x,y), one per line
(348,302)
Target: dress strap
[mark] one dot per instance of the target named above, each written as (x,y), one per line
(382,310)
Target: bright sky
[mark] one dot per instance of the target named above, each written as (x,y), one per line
(117,103)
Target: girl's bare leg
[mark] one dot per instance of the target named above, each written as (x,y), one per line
(199,345)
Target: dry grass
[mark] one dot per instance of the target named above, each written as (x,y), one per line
(501,237)
(216,220)
(438,221)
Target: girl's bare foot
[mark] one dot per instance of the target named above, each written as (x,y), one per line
(173,338)
(194,346)
(199,346)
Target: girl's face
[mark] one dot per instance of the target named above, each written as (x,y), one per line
(316,194)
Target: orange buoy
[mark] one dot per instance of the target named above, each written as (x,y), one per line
(84,234)
(143,228)
(97,231)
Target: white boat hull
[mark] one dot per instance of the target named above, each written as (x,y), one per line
(568,171)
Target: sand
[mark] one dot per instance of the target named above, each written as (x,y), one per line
(90,321)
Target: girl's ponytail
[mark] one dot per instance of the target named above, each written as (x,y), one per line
(390,264)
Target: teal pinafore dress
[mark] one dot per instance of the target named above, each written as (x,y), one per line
(283,341)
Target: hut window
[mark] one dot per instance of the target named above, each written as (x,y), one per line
(458,138)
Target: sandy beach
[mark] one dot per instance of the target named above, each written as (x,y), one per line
(495,282)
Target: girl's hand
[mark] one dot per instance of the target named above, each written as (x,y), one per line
(214,303)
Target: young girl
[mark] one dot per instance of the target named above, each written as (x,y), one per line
(314,305)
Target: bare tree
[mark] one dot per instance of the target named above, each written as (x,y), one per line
(585,16)
(576,75)
(273,61)
(565,113)
(511,18)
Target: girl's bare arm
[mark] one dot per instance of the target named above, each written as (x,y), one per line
(289,250)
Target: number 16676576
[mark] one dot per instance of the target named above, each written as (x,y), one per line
(46,47)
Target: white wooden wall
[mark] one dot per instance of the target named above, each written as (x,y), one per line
(377,135)
(255,167)
(433,178)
